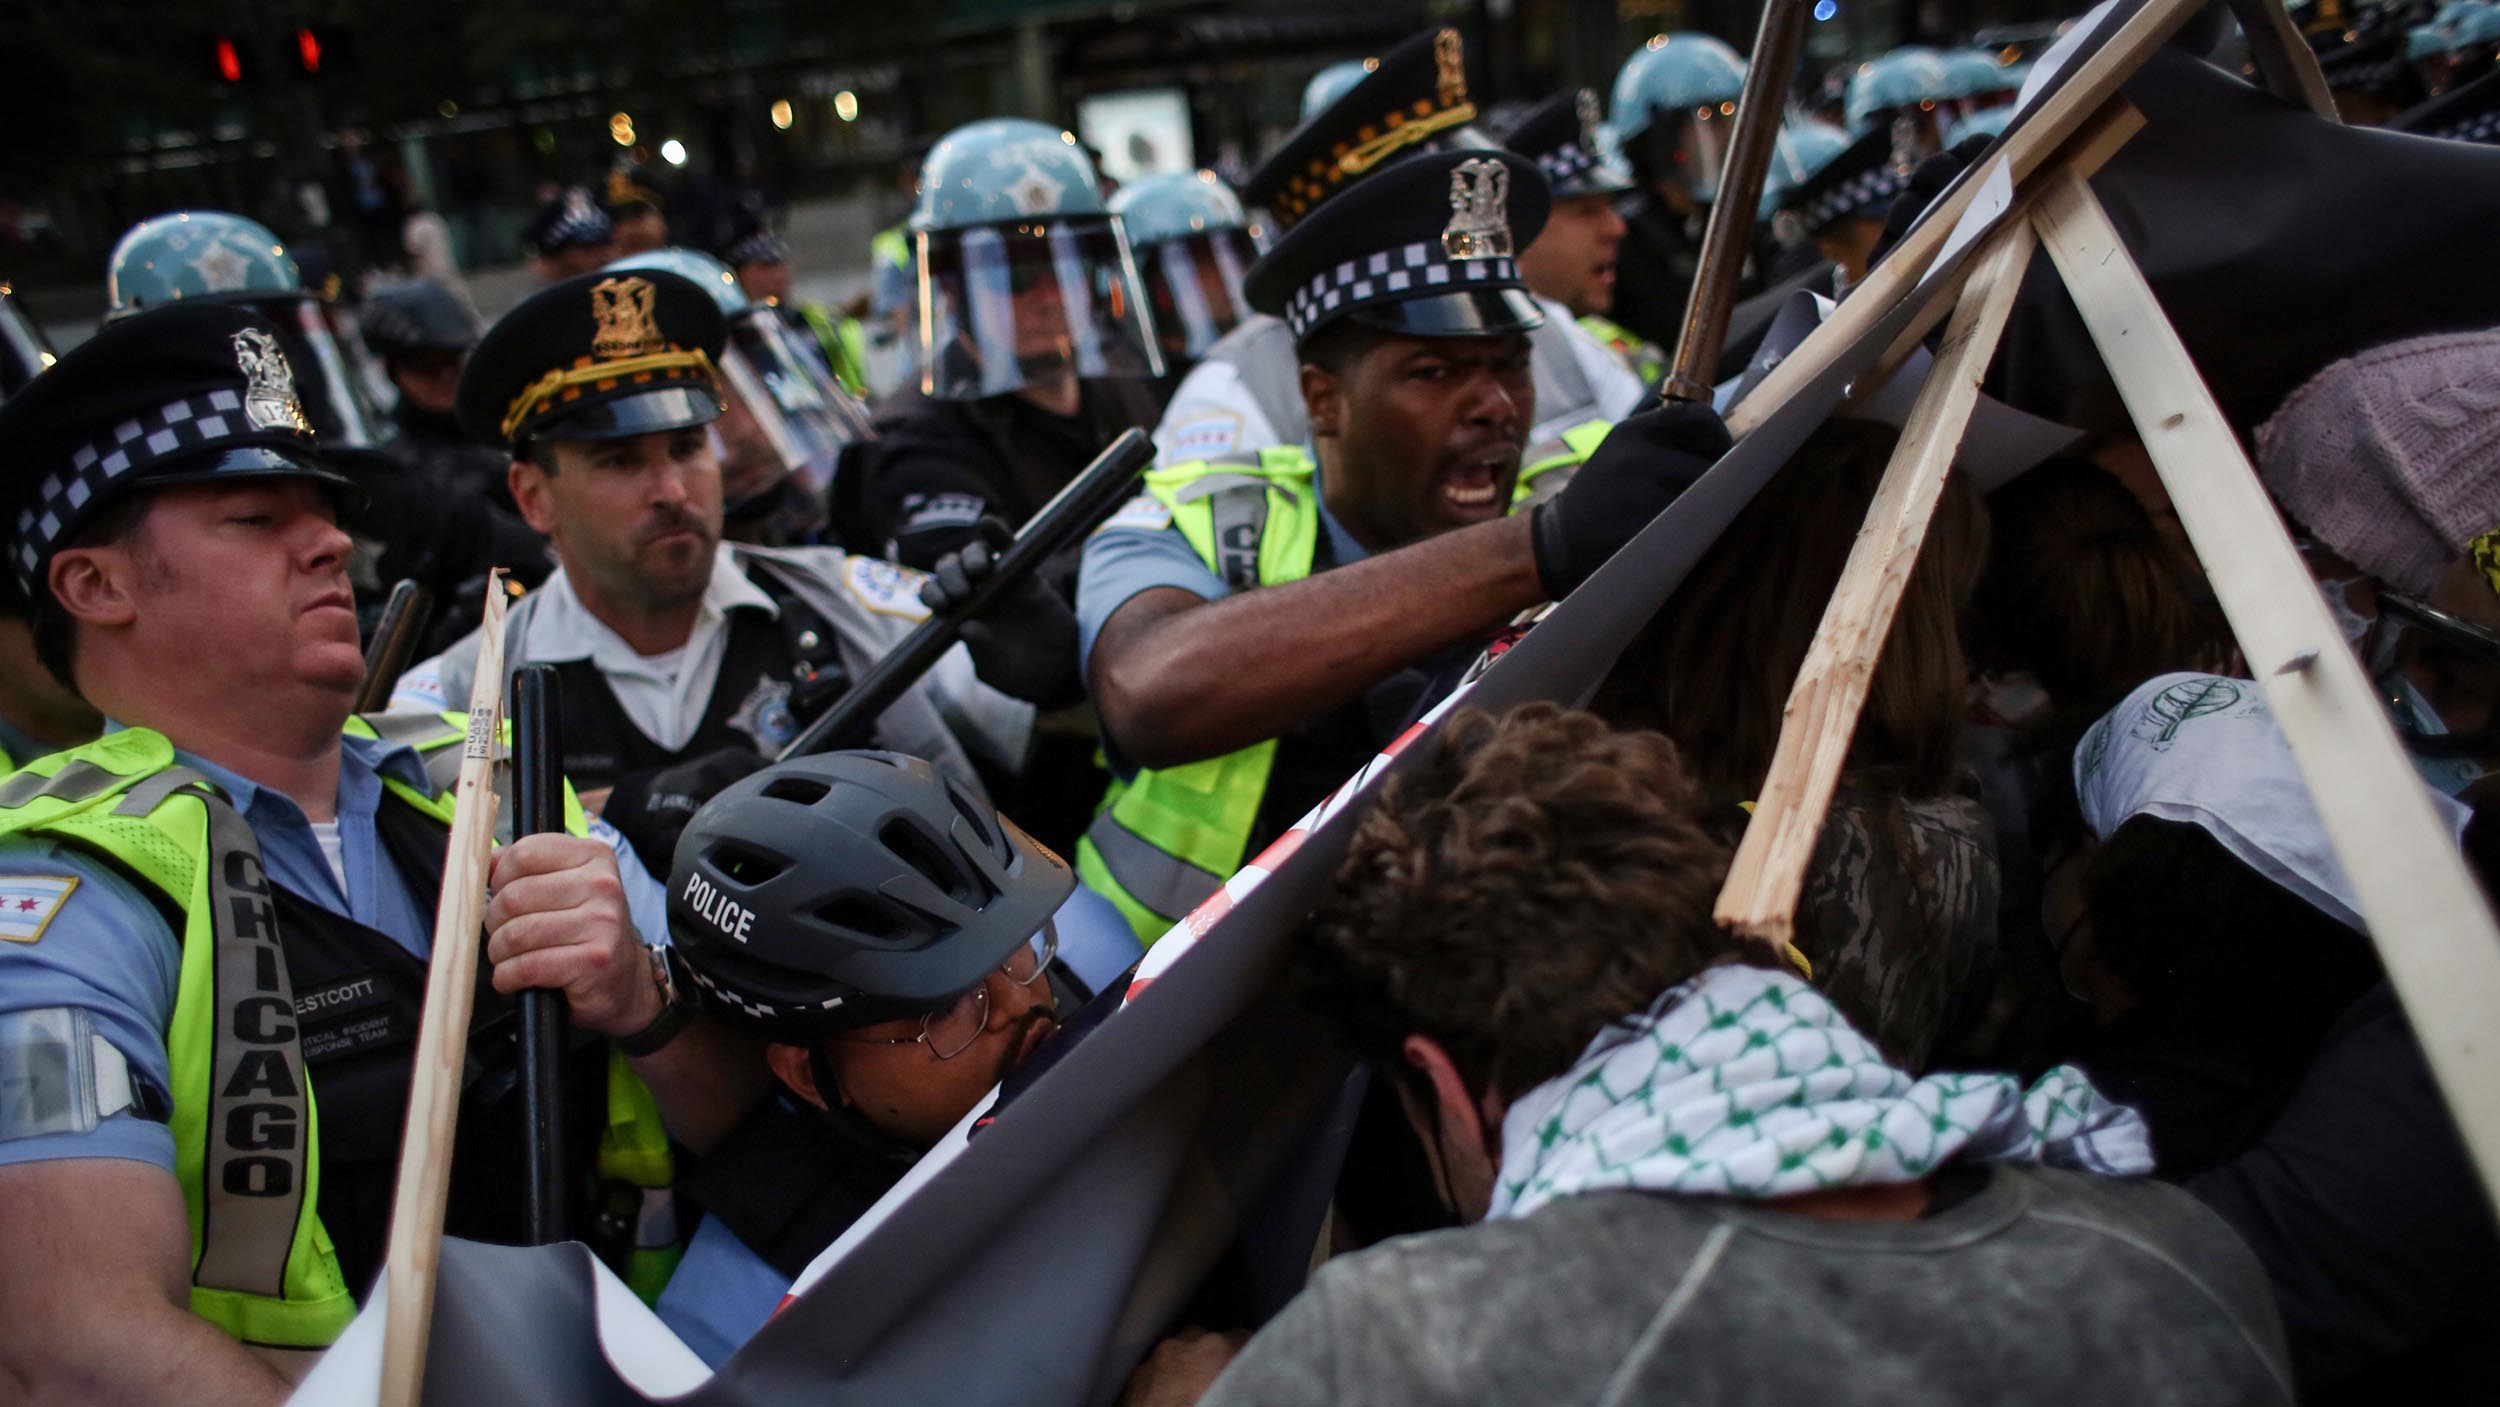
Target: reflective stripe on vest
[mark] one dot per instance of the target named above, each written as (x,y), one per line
(246,1135)
(1565,452)
(1166,838)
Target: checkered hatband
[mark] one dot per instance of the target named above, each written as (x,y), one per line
(1565,163)
(1867,188)
(1389,276)
(177,428)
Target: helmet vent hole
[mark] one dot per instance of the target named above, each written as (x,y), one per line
(933,861)
(980,819)
(747,867)
(858,913)
(806,791)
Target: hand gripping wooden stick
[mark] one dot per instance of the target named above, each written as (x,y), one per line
(414,1254)
(1760,897)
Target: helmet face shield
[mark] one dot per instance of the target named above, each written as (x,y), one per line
(787,415)
(1003,307)
(1193,286)
(1690,148)
(325,379)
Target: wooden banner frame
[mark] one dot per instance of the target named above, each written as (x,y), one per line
(2433,928)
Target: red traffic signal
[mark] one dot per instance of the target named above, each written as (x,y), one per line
(308,50)
(229,62)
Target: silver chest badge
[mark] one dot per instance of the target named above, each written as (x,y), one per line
(269,401)
(1479,211)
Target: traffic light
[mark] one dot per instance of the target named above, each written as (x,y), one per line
(227,58)
(308,50)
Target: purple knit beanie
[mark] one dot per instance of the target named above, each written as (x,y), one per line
(2392,456)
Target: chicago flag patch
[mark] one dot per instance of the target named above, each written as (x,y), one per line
(28,902)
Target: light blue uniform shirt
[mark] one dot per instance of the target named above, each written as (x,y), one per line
(109,950)
(1139,549)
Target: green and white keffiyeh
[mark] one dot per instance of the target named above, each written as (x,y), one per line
(1745,1082)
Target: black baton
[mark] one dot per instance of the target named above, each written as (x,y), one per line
(1074,511)
(538,806)
(395,635)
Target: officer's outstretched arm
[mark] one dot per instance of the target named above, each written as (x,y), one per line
(95,1293)
(1178,679)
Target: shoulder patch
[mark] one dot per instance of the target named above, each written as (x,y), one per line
(884,588)
(1202,436)
(28,902)
(1144,513)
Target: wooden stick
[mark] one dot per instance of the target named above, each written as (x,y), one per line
(414,1255)
(1760,897)
(2027,148)
(2286,66)
(2434,931)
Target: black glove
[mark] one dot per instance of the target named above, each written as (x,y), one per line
(1024,644)
(1641,467)
(652,808)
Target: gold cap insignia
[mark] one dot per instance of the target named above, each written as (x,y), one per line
(269,401)
(622,308)
(1451,59)
(1479,211)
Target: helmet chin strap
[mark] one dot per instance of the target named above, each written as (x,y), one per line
(853,1126)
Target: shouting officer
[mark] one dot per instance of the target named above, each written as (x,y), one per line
(1245,394)
(1674,113)
(1343,573)
(1571,267)
(682,664)
(1035,354)
(219,914)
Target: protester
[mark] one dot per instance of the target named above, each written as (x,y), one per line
(1898,918)
(227,852)
(888,936)
(1671,1152)
(2390,459)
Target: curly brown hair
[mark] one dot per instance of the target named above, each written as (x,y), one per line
(1530,880)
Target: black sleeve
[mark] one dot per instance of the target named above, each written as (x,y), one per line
(2362,1204)
(917,500)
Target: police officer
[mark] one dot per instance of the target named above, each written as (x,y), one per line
(761,261)
(1571,267)
(898,947)
(1836,198)
(1244,395)
(220,914)
(681,663)
(422,333)
(408,521)
(1674,112)
(784,419)
(1340,575)
(636,213)
(569,236)
(1192,242)
(24,350)
(1036,354)
(1903,93)
(1331,83)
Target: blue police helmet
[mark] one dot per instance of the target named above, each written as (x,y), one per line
(196,254)
(1802,149)
(1903,78)
(1975,73)
(1331,83)
(1671,74)
(1003,171)
(695,267)
(1155,209)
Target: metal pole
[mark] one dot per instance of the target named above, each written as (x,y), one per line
(1759,111)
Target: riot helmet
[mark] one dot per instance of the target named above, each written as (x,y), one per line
(1026,282)
(1192,241)
(784,413)
(211,256)
(1904,90)
(1674,110)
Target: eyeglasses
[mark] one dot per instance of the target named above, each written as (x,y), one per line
(951,1030)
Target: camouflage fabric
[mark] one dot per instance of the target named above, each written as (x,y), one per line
(1899,915)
